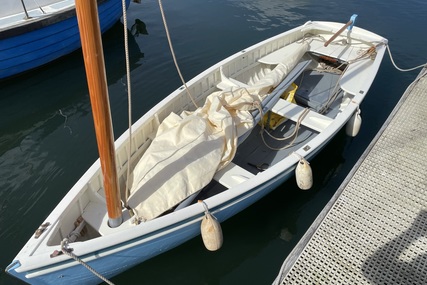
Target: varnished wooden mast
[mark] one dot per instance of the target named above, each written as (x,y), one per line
(90,35)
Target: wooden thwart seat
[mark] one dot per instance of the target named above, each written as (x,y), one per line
(229,176)
(232,175)
(312,120)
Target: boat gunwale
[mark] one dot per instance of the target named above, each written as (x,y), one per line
(43,21)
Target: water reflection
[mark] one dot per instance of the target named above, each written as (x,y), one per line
(264,15)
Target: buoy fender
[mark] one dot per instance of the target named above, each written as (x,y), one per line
(353,125)
(304,175)
(211,232)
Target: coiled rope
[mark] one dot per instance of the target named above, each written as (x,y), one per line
(67,251)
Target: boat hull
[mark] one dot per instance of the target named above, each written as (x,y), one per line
(139,250)
(134,252)
(28,46)
(130,244)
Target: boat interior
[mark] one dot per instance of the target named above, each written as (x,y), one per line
(307,101)
(285,128)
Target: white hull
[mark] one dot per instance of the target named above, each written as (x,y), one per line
(104,248)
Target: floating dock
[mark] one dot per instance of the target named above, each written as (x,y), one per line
(374,229)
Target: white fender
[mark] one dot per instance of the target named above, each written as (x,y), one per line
(211,231)
(304,175)
(353,125)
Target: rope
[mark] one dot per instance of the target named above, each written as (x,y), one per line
(173,54)
(125,31)
(294,134)
(38,5)
(400,69)
(67,251)
(25,10)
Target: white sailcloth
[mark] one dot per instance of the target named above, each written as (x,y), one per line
(189,148)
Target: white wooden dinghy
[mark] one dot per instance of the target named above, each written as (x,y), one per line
(292,86)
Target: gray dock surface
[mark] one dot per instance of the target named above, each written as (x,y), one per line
(374,229)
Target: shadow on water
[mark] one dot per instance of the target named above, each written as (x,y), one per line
(397,262)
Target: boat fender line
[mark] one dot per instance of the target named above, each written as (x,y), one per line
(69,251)
(303,173)
(353,125)
(210,230)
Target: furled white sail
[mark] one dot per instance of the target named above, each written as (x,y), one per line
(189,148)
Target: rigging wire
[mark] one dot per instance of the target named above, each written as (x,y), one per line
(25,10)
(173,54)
(38,5)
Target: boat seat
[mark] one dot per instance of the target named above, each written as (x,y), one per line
(232,175)
(316,88)
(229,176)
(272,98)
(312,120)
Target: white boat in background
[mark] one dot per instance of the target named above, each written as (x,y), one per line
(36,32)
(237,133)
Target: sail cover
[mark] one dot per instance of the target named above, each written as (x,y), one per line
(191,147)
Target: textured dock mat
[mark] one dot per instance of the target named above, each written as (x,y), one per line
(374,229)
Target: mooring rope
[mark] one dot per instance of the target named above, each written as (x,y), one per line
(400,69)
(68,252)
(173,54)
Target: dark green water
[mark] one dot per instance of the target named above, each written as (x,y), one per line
(47,140)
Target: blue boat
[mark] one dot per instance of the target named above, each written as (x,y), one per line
(32,35)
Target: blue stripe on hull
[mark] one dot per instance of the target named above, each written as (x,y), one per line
(33,49)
